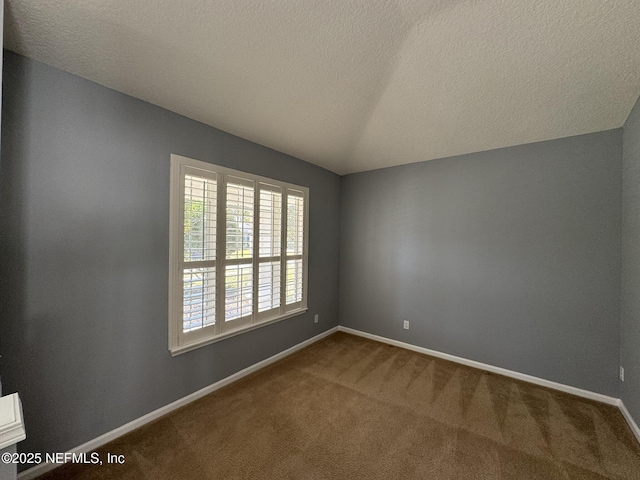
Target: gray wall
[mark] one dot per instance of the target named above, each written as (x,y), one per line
(630,324)
(1,44)
(84,215)
(509,257)
(8,470)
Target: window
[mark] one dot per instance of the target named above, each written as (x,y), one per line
(238,252)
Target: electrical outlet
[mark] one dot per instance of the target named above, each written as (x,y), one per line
(406,324)
(316,318)
(622,374)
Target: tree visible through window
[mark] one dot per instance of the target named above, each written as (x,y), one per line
(227,261)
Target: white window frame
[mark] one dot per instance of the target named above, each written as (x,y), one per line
(180,341)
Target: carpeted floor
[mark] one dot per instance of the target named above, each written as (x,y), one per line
(352,408)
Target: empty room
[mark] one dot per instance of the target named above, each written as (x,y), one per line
(246,239)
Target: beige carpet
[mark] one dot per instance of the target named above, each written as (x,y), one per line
(351,408)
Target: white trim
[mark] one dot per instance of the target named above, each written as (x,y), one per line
(150,417)
(232,333)
(11,423)
(139,422)
(627,416)
(489,368)
(507,373)
(180,341)
(174,242)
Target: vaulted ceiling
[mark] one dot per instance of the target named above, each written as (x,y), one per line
(354,85)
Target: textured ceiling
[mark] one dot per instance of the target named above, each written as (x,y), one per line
(354,85)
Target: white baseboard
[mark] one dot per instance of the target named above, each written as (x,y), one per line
(489,368)
(124,429)
(149,417)
(508,373)
(627,416)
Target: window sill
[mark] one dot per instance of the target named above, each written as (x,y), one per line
(180,349)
